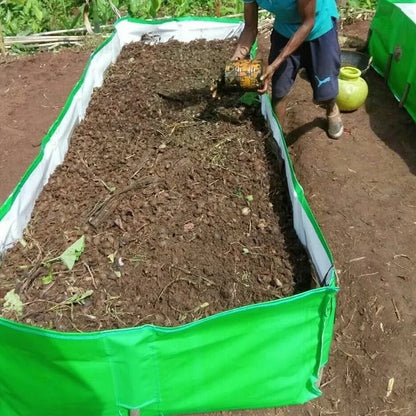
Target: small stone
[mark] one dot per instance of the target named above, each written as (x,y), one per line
(245,211)
(262,224)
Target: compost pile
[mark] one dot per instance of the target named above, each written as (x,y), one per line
(171,204)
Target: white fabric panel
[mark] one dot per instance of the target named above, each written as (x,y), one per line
(184,31)
(409,9)
(301,222)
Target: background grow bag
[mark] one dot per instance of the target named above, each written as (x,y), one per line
(263,355)
(392,44)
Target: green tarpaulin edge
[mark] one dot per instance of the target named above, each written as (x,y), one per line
(302,198)
(392,46)
(257,356)
(180,19)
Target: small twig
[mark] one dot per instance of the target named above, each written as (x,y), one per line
(328,382)
(193,310)
(34,273)
(396,310)
(172,282)
(141,164)
(96,178)
(233,172)
(90,272)
(102,211)
(210,282)
(356,259)
(367,274)
(349,322)
(74,299)
(401,255)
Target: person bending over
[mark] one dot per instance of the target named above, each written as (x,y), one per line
(304,36)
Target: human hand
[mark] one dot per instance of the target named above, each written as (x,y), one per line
(241,52)
(266,78)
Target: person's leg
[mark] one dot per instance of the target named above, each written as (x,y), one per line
(322,60)
(333,116)
(284,77)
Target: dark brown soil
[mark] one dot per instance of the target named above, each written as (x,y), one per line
(181,203)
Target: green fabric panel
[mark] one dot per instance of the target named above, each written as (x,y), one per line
(329,321)
(382,41)
(70,374)
(391,29)
(262,355)
(403,70)
(410,103)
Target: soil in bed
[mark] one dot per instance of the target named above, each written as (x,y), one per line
(181,202)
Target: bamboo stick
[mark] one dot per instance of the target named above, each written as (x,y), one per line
(10,40)
(51,45)
(79,29)
(2,45)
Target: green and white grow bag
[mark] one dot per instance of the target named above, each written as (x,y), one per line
(392,44)
(263,355)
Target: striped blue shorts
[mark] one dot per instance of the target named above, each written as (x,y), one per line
(321,59)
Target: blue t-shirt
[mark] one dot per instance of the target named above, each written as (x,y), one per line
(287,18)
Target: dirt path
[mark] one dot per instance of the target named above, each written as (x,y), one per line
(362,191)
(33,90)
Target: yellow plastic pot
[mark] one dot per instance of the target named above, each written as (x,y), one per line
(353,89)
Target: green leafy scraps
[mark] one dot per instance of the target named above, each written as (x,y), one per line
(70,255)
(73,253)
(48,278)
(13,304)
(249,98)
(75,299)
(111,257)
(78,298)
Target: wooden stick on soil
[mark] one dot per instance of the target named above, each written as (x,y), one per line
(10,40)
(2,45)
(106,207)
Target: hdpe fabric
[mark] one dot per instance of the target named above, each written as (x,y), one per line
(393,47)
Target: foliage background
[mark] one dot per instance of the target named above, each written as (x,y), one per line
(23,17)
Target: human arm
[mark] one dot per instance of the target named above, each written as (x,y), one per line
(249,33)
(307,10)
